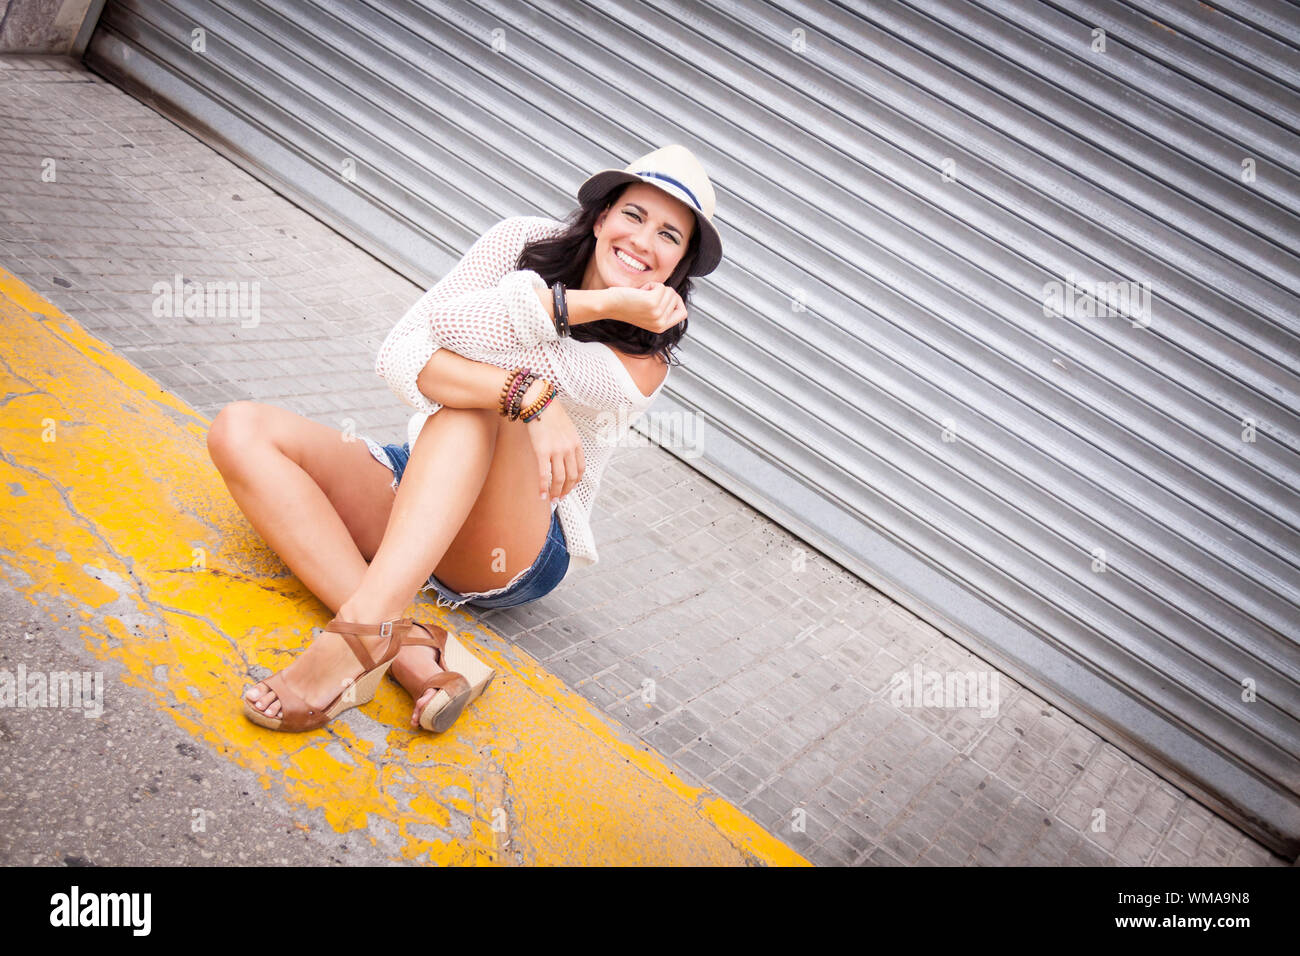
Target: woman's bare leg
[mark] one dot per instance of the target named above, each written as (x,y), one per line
(424,518)
(324,505)
(503,534)
(321,503)
(317,500)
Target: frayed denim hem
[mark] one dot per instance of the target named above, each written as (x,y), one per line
(381,456)
(543,575)
(475,595)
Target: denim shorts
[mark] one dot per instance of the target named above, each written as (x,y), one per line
(535,581)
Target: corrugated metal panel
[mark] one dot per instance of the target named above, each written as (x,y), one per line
(898,183)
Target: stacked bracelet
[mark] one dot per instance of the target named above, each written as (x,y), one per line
(512,395)
(561,310)
(535,410)
(517,400)
(508,390)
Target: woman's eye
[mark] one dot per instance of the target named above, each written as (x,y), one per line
(629,213)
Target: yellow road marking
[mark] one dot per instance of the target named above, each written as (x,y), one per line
(115,511)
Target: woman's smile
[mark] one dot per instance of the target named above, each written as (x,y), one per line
(640,238)
(642,265)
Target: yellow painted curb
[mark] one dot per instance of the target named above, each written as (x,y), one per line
(116,512)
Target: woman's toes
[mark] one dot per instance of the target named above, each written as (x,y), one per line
(269,704)
(262,697)
(420,704)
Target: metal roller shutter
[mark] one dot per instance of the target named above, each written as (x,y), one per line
(1103,505)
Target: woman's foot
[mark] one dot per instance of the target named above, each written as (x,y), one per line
(320,673)
(413,666)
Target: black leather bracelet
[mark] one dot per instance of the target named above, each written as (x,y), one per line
(561,310)
(555,301)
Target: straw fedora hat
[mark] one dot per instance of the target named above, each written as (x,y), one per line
(676,171)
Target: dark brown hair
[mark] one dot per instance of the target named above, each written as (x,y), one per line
(564,258)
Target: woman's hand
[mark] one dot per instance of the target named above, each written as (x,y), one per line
(560,461)
(654,306)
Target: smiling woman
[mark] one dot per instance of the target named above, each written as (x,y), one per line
(635,244)
(639,220)
(507,400)
(668,230)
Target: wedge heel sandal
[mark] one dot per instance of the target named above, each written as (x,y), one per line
(296,715)
(462,681)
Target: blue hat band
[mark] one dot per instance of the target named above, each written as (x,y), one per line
(669,179)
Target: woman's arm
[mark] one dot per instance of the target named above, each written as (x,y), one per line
(455,381)
(479,309)
(502,325)
(452,380)
(484,304)
(585,305)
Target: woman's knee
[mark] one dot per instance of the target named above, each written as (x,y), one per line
(481,414)
(463,421)
(233,429)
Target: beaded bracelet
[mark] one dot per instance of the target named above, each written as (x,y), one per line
(507,390)
(517,400)
(515,389)
(512,395)
(548,390)
(519,381)
(535,410)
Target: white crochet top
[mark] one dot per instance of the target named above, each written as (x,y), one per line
(486,311)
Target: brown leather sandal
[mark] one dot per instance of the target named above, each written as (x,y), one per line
(463,678)
(296,715)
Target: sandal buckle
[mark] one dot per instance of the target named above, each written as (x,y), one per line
(386,629)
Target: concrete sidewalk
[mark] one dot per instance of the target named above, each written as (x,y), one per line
(771,666)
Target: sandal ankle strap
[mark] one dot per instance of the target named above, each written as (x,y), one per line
(395,630)
(436,637)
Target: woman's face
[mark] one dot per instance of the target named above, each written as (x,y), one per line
(644,224)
